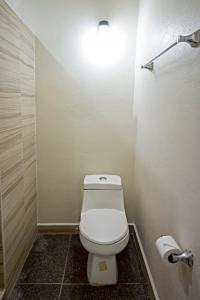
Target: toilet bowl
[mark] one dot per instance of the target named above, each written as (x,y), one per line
(104,229)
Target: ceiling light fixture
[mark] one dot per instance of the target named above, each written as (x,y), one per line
(103,28)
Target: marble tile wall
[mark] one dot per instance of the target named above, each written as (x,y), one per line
(17,144)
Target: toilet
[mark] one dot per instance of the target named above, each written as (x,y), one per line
(103,226)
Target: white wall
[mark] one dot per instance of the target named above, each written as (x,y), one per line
(167,113)
(84,111)
(79,133)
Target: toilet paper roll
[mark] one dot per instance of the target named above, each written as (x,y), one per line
(166,245)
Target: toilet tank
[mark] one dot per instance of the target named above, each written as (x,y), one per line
(102,191)
(102,182)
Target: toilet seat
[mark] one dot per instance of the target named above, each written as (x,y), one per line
(104,226)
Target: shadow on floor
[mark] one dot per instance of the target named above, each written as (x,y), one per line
(56,270)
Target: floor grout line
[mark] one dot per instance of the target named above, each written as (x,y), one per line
(87,284)
(138,254)
(63,277)
(60,286)
(39,283)
(136,248)
(142,267)
(74,283)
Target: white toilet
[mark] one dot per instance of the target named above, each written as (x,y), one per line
(104,229)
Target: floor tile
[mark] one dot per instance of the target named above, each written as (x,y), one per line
(76,262)
(118,292)
(35,292)
(129,269)
(131,229)
(46,261)
(46,264)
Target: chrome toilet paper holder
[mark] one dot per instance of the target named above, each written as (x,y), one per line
(185,256)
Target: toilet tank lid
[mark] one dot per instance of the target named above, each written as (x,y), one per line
(102,182)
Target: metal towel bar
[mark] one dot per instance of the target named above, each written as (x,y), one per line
(192,39)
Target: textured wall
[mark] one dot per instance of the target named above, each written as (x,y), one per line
(167,113)
(84,111)
(17,141)
(80,133)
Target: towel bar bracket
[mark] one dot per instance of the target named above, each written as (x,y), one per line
(192,39)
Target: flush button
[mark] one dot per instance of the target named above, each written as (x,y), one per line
(102,178)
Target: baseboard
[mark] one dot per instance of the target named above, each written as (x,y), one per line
(58,228)
(146,262)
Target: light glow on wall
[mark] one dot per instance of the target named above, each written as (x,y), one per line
(103,46)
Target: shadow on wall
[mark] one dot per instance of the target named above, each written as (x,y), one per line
(81,129)
(155,218)
(185,278)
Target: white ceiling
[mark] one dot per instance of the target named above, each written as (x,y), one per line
(61,24)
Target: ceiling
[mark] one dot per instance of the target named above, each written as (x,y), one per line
(61,25)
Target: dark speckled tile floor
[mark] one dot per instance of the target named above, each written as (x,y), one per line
(56,270)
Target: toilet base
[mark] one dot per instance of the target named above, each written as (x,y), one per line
(102,270)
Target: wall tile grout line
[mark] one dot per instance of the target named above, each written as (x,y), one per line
(65,266)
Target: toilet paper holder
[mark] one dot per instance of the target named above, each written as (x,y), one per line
(185,256)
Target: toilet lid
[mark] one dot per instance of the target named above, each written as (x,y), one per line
(103,226)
